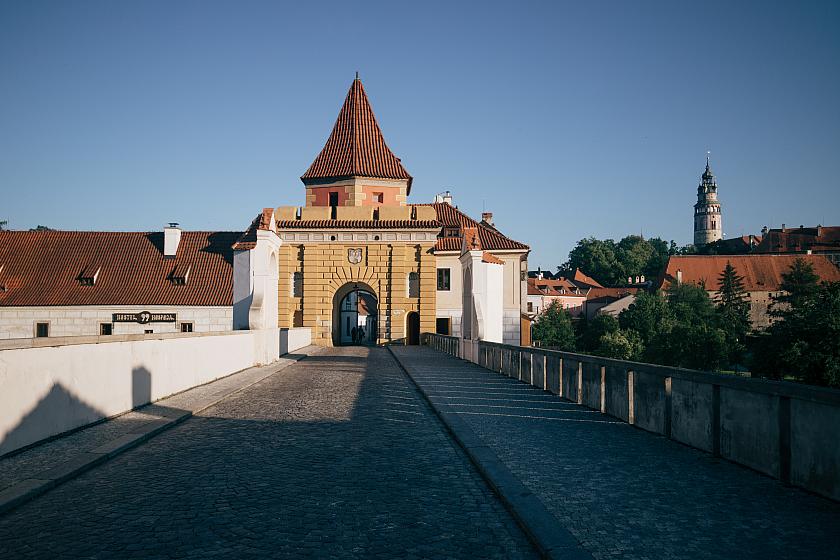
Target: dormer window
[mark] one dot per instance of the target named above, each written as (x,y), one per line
(451,232)
(89,275)
(180,275)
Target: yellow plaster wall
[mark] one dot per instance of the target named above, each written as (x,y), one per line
(384,267)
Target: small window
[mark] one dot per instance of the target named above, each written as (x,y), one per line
(186,327)
(148,331)
(106,329)
(451,232)
(443,279)
(42,330)
(333,205)
(530,307)
(442,325)
(297,284)
(379,197)
(413,285)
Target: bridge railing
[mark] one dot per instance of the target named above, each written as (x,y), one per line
(786,430)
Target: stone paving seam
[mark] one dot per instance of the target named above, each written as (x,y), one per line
(30,488)
(548,535)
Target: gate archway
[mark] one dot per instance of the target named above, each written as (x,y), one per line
(355,315)
(413,328)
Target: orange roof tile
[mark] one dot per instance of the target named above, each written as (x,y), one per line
(44,267)
(356,147)
(584,279)
(762,273)
(248,240)
(490,237)
(490,258)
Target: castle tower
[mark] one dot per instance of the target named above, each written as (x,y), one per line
(708,226)
(356,167)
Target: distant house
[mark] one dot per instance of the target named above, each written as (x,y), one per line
(819,240)
(762,276)
(608,301)
(543,292)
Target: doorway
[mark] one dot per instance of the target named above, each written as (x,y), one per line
(413,328)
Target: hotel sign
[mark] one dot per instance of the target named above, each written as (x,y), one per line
(144,317)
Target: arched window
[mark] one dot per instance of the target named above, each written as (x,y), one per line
(413,284)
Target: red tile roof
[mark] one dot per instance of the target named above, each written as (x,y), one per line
(43,268)
(356,147)
(614,293)
(490,258)
(248,240)
(358,224)
(800,239)
(491,238)
(584,279)
(762,273)
(559,287)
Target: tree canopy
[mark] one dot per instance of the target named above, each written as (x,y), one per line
(553,329)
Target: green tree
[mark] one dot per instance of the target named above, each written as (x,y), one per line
(41,228)
(799,284)
(596,258)
(733,311)
(647,315)
(591,331)
(553,329)
(633,254)
(621,344)
(3,224)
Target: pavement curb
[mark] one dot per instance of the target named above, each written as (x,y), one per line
(551,539)
(30,488)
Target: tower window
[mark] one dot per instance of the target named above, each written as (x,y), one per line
(333,205)
(297,284)
(379,197)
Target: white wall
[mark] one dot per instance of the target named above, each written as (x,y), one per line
(50,386)
(84,320)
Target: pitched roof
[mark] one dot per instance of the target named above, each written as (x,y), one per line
(762,273)
(559,287)
(614,293)
(356,147)
(584,279)
(491,258)
(248,240)
(44,268)
(491,238)
(800,239)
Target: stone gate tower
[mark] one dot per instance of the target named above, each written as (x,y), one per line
(708,226)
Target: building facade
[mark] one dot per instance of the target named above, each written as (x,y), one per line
(358,235)
(708,224)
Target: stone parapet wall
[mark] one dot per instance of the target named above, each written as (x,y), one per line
(785,430)
(49,386)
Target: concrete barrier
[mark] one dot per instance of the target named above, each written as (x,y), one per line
(50,386)
(785,430)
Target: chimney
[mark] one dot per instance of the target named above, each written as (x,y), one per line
(447,198)
(487,217)
(819,230)
(171,239)
(679,276)
(764,230)
(783,228)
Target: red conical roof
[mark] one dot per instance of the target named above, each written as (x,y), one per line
(356,147)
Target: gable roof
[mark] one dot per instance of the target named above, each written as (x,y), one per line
(356,147)
(762,273)
(551,287)
(491,239)
(582,278)
(41,268)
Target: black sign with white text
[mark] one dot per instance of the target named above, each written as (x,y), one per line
(144,317)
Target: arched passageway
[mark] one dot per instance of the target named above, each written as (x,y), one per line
(355,315)
(413,328)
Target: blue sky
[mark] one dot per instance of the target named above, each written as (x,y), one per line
(565,119)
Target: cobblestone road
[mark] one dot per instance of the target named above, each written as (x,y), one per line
(336,456)
(622,492)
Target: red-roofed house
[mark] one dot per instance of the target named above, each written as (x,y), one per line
(762,275)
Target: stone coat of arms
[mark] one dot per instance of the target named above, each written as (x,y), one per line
(354,256)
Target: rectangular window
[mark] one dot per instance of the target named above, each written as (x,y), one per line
(530,307)
(413,285)
(379,197)
(443,278)
(106,329)
(297,284)
(442,325)
(42,330)
(186,327)
(333,205)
